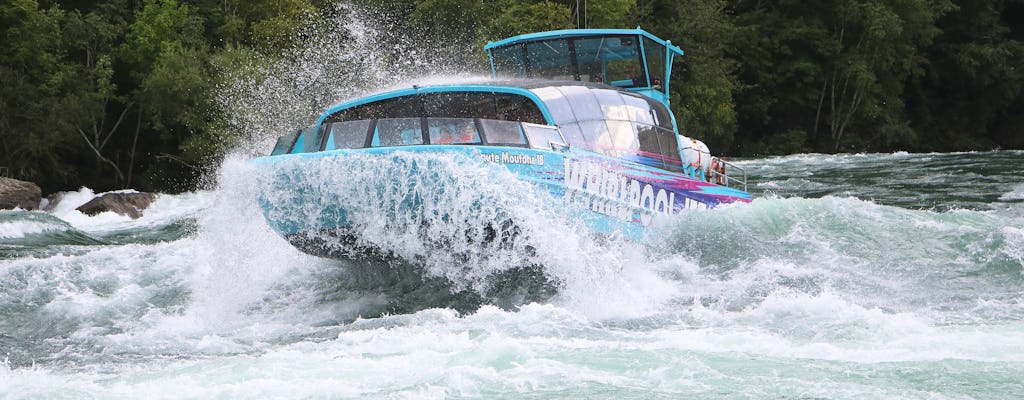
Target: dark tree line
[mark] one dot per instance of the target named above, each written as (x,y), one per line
(122,93)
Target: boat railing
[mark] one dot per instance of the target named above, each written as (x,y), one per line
(729,178)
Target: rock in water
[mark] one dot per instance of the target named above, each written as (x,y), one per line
(15,193)
(130,204)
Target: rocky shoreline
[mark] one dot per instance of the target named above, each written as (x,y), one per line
(18,194)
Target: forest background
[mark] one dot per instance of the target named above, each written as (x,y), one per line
(112,94)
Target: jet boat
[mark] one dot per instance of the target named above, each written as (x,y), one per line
(581,114)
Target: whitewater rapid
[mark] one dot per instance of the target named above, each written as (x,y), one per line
(838,288)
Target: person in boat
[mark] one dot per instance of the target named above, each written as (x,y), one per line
(445,137)
(467,134)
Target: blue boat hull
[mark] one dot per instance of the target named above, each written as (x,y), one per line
(314,198)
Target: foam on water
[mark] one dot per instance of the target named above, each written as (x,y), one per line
(852,281)
(19,224)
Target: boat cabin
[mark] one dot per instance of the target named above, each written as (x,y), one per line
(535,114)
(632,59)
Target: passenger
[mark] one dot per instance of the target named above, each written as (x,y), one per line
(445,137)
(467,134)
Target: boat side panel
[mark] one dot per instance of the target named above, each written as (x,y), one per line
(607,194)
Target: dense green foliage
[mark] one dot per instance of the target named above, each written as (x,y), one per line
(119,93)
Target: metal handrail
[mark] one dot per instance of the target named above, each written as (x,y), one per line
(729,179)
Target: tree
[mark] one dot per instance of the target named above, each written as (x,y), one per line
(98,110)
(704,79)
(880,46)
(970,94)
(33,82)
(830,75)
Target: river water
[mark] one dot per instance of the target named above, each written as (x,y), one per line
(868,276)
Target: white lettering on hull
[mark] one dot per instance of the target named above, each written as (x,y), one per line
(506,158)
(616,195)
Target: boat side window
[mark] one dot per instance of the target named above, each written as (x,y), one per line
(300,144)
(621,140)
(593,131)
(312,139)
(612,104)
(583,103)
(459,104)
(650,149)
(638,109)
(557,104)
(397,132)
(513,107)
(502,132)
(284,143)
(452,131)
(660,113)
(543,136)
(399,107)
(669,150)
(655,62)
(573,135)
(465,104)
(347,134)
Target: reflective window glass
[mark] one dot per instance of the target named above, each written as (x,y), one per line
(312,139)
(614,60)
(543,136)
(488,105)
(662,115)
(348,134)
(300,144)
(593,131)
(397,132)
(513,107)
(549,59)
(508,61)
(655,62)
(399,107)
(623,139)
(583,103)
(612,104)
(459,105)
(452,131)
(670,150)
(558,106)
(650,149)
(501,132)
(573,135)
(638,108)
(284,143)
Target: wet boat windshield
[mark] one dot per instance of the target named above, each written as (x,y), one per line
(391,132)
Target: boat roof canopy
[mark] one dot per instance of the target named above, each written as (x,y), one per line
(632,59)
(541,102)
(589,115)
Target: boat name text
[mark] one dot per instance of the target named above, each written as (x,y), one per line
(506,158)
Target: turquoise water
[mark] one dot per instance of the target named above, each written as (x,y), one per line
(871,276)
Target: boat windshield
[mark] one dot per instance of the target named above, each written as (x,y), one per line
(613,59)
(391,132)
